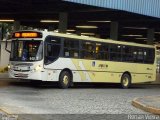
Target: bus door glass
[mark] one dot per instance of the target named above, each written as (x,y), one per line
(52,49)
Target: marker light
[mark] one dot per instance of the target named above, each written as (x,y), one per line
(17,35)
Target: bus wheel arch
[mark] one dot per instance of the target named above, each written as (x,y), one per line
(126,80)
(65,78)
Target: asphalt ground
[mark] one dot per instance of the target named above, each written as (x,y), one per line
(83,101)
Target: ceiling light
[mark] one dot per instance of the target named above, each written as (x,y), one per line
(49,21)
(141,38)
(6,20)
(88,33)
(68,33)
(140,28)
(70,30)
(132,35)
(144,38)
(87,27)
(100,21)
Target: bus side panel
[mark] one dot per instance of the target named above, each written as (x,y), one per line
(145,73)
(100,71)
(54,69)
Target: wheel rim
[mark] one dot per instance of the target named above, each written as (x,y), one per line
(65,79)
(125,81)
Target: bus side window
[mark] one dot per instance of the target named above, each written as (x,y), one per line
(88,50)
(149,56)
(49,50)
(115,52)
(66,53)
(127,55)
(134,55)
(71,48)
(140,55)
(102,51)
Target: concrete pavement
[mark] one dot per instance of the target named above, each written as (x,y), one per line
(149,104)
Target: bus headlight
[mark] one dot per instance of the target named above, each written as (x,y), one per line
(9,66)
(38,68)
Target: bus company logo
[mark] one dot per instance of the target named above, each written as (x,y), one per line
(103,66)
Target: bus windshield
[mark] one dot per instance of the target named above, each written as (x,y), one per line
(26,50)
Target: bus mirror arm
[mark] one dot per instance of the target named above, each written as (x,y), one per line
(6,45)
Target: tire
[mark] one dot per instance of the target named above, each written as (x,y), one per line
(125,81)
(64,80)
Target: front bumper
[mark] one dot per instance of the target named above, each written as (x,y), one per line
(26,75)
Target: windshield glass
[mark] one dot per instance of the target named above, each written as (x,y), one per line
(26,50)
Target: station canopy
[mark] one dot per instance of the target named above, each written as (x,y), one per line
(135,17)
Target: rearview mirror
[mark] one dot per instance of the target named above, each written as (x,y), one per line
(6,46)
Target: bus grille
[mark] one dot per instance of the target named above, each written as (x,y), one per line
(22,70)
(21,75)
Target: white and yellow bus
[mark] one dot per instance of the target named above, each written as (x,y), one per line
(49,56)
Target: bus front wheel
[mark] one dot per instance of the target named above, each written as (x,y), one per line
(64,80)
(125,81)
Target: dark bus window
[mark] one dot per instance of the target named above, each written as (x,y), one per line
(102,51)
(149,55)
(134,55)
(115,57)
(115,48)
(115,52)
(53,40)
(52,49)
(140,55)
(71,53)
(127,54)
(71,43)
(71,48)
(87,50)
